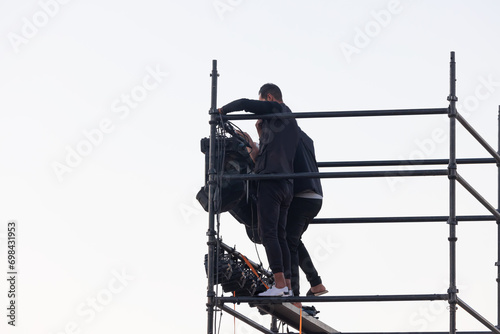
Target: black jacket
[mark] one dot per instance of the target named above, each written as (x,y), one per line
(305,162)
(279,137)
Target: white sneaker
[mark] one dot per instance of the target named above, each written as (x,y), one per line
(274,292)
(288,294)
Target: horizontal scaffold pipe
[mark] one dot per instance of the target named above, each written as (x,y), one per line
(478,137)
(331,114)
(418,162)
(414,219)
(337,175)
(310,299)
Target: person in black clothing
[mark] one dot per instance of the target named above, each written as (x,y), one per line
(278,140)
(307,202)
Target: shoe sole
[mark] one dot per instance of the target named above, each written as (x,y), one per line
(310,293)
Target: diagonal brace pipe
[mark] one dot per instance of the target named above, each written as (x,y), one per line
(478,137)
(476,315)
(478,196)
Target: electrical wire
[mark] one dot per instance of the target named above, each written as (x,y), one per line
(246,140)
(253,238)
(300,325)
(220,321)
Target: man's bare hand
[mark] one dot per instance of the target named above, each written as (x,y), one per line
(254,150)
(245,135)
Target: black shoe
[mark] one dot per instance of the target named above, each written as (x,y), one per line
(311,310)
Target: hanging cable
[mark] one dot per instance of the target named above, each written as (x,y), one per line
(253,237)
(300,322)
(253,270)
(220,321)
(238,134)
(234,317)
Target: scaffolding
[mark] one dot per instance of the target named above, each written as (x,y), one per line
(451,296)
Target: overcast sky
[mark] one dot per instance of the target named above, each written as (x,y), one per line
(103,107)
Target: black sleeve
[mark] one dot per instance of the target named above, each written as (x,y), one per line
(253,106)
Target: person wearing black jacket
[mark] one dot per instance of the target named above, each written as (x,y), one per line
(278,140)
(307,202)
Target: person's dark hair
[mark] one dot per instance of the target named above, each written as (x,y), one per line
(272,89)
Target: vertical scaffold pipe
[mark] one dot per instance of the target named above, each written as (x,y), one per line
(452,174)
(212,185)
(498,229)
(274,325)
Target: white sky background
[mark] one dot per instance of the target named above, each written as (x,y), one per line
(116,245)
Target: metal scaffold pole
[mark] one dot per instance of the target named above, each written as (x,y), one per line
(212,185)
(452,220)
(498,229)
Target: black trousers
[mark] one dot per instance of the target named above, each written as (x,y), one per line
(301,213)
(273,200)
